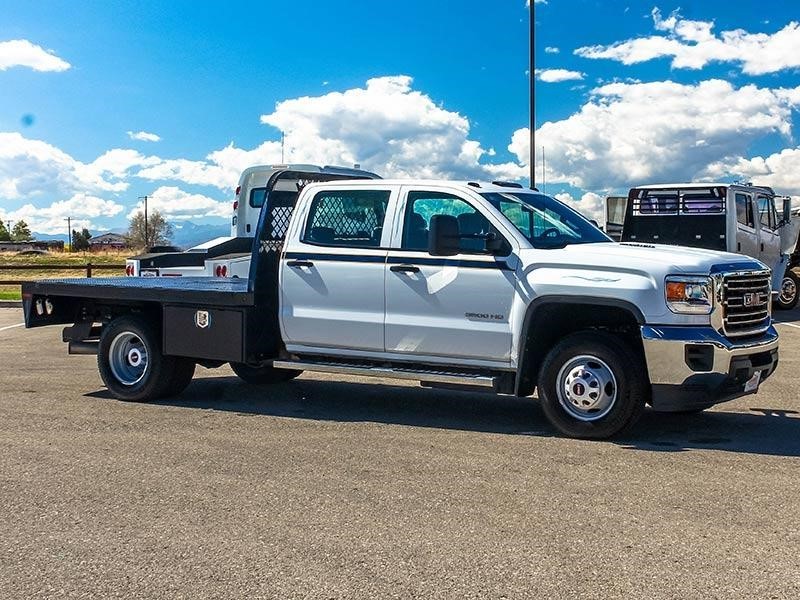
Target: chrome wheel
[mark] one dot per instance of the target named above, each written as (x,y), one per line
(586,388)
(788,291)
(127,358)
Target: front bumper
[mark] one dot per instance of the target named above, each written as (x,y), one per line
(696,367)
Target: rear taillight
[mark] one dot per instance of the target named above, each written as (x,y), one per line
(129,270)
(238,189)
(221,271)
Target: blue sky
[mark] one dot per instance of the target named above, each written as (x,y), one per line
(627,93)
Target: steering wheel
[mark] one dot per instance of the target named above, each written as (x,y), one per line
(551,232)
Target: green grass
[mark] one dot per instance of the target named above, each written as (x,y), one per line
(8,292)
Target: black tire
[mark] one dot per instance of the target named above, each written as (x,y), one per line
(790,285)
(182,375)
(593,363)
(262,374)
(116,357)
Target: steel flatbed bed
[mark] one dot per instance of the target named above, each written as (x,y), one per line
(200,291)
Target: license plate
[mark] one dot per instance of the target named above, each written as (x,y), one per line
(752,383)
(148,273)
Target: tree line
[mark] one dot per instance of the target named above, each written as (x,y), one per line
(158,233)
(19,233)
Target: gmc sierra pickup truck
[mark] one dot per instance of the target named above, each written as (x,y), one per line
(463,285)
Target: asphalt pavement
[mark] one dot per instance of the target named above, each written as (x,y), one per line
(345,487)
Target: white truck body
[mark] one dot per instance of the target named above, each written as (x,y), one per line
(455,284)
(741,218)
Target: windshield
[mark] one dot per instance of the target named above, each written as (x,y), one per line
(546,222)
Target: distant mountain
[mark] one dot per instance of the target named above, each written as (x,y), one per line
(46,237)
(184,235)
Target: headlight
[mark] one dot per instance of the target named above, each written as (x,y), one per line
(689,295)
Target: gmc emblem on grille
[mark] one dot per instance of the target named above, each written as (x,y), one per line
(752,300)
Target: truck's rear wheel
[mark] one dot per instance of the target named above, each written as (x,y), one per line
(592,385)
(182,374)
(262,374)
(787,298)
(130,361)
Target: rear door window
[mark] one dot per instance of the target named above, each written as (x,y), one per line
(349,218)
(744,210)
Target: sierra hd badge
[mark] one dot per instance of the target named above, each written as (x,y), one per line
(201,319)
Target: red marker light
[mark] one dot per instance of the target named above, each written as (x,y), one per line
(238,189)
(235,205)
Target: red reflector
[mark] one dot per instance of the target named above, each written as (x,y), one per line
(235,205)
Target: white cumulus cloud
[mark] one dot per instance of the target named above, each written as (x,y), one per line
(634,133)
(693,45)
(590,205)
(83,209)
(34,168)
(144,136)
(179,205)
(558,75)
(22,53)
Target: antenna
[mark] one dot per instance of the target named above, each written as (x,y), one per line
(544,182)
(532,93)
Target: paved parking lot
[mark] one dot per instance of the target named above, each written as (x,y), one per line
(321,488)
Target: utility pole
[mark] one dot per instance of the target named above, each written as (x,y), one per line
(146,242)
(283,140)
(532,71)
(69,232)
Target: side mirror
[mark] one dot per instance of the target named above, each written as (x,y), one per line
(787,210)
(443,236)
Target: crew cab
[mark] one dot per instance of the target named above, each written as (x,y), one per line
(463,285)
(740,217)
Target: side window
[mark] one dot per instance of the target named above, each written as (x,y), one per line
(257,197)
(744,210)
(472,225)
(766,211)
(352,218)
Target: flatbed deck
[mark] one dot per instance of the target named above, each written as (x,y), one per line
(206,291)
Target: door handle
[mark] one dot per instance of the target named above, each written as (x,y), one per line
(299,263)
(404,269)
(762,246)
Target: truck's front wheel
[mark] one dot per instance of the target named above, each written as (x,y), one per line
(592,385)
(787,298)
(130,361)
(262,374)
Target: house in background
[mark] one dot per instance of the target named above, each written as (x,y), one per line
(108,241)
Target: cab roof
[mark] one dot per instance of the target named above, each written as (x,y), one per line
(479,186)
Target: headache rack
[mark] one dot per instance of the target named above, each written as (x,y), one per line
(692,201)
(746,301)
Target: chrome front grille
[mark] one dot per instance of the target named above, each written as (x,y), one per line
(746,301)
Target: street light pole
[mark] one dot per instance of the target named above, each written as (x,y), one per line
(69,232)
(532,92)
